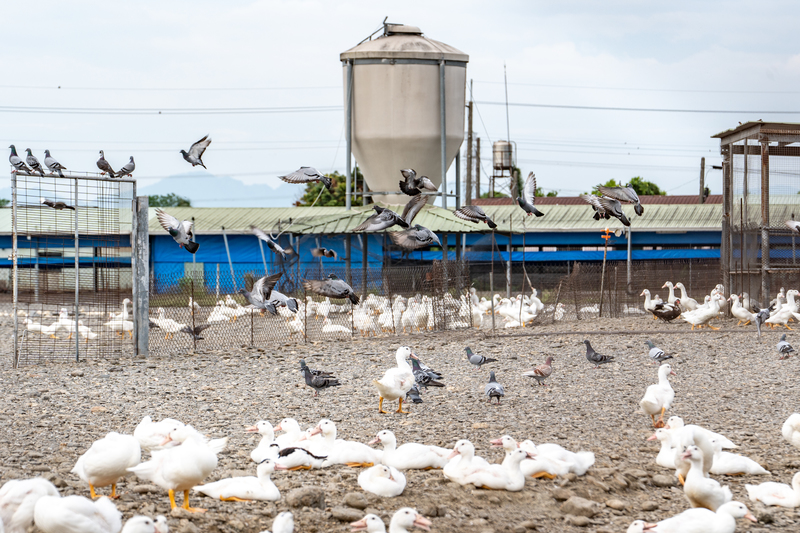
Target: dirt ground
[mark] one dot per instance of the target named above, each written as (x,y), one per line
(726,381)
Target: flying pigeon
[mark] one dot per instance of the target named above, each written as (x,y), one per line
(324,252)
(55,205)
(413,394)
(195,153)
(541,372)
(493,389)
(332,287)
(594,201)
(424,377)
(784,348)
(614,208)
(318,382)
(127,169)
(16,161)
(595,358)
(33,162)
(180,231)
(793,225)
(104,167)
(274,246)
(476,359)
(656,354)
(761,317)
(625,194)
(414,238)
(413,207)
(382,219)
(306,175)
(195,331)
(412,185)
(278,299)
(474,213)
(319,373)
(261,292)
(52,164)
(528,197)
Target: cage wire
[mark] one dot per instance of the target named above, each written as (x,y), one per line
(72,267)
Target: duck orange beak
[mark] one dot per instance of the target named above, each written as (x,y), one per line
(422,522)
(374,441)
(496,442)
(750,517)
(278,428)
(652,437)
(453,454)
(360,525)
(316,431)
(166,440)
(279,466)
(251,429)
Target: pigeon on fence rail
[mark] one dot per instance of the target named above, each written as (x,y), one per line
(423,377)
(52,164)
(541,372)
(16,161)
(261,291)
(180,231)
(493,389)
(307,175)
(656,354)
(195,153)
(33,162)
(412,185)
(625,194)
(104,166)
(272,245)
(528,198)
(414,238)
(477,360)
(332,287)
(315,372)
(195,332)
(325,252)
(595,358)
(58,206)
(474,213)
(127,169)
(318,382)
(784,348)
(382,219)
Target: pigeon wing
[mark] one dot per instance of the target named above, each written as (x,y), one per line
(263,287)
(405,239)
(617,193)
(368,224)
(199,147)
(167,221)
(302,175)
(414,206)
(529,190)
(321,287)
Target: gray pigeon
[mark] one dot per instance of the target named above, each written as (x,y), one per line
(412,185)
(761,317)
(307,175)
(625,194)
(195,331)
(325,252)
(127,169)
(278,299)
(784,348)
(33,162)
(260,294)
(195,153)
(58,206)
(382,219)
(180,231)
(332,287)
(614,208)
(413,207)
(274,246)
(656,354)
(16,161)
(413,394)
(493,389)
(314,372)
(528,197)
(594,201)
(595,358)
(318,382)
(52,164)
(414,238)
(425,378)
(474,213)
(104,167)
(476,359)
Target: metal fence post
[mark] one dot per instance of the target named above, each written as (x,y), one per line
(15,268)
(141,277)
(77,278)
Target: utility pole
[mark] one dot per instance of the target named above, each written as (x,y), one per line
(703,179)
(468,199)
(478,168)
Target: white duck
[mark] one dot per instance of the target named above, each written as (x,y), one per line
(671,298)
(507,476)
(779,494)
(262,451)
(410,456)
(791,430)
(151,434)
(700,490)
(179,468)
(733,464)
(342,452)
(370,523)
(703,520)
(462,462)
(744,315)
(397,381)
(784,314)
(406,518)
(687,303)
(74,514)
(33,327)
(296,458)
(675,424)
(291,432)
(701,316)
(577,462)
(666,455)
(658,398)
(120,327)
(534,467)
(108,460)
(328,327)
(18,498)
(86,332)
(247,488)
(382,480)
(283,523)
(140,524)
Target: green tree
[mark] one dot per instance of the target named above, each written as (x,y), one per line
(337,196)
(4,202)
(540,192)
(497,194)
(640,185)
(169,200)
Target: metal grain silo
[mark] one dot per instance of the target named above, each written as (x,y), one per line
(401,83)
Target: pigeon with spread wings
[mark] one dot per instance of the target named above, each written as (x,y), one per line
(412,185)
(306,175)
(332,287)
(382,219)
(614,208)
(180,231)
(599,210)
(195,153)
(325,252)
(474,213)
(262,289)
(274,246)
(414,238)
(625,194)
(528,197)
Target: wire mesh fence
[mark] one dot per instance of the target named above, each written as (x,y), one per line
(71,267)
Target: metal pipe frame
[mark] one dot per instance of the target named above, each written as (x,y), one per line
(443,133)
(348,121)
(15,271)
(78,279)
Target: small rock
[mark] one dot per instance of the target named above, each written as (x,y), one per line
(766,517)
(660,480)
(562,495)
(76,373)
(346,514)
(579,507)
(529,524)
(306,497)
(580,521)
(649,506)
(356,500)
(480,425)
(617,504)
(180,512)
(599,484)
(145,489)
(98,409)
(635,473)
(185,526)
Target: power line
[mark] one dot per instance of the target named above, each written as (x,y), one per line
(710,91)
(645,109)
(167,111)
(165,89)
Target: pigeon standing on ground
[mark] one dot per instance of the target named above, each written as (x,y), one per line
(476,359)
(382,219)
(493,389)
(595,358)
(425,378)
(306,175)
(528,197)
(16,161)
(261,292)
(52,164)
(761,317)
(474,213)
(332,287)
(625,194)
(656,354)
(412,185)
(413,394)
(127,169)
(318,382)
(541,372)
(315,372)
(325,252)
(784,348)
(56,205)
(180,231)
(274,246)
(195,331)
(33,162)
(195,153)
(104,166)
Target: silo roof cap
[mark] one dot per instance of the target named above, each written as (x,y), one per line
(403,42)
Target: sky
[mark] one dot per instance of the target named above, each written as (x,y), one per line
(68,63)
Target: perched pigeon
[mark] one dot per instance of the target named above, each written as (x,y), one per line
(528,197)
(413,394)
(476,359)
(382,219)
(274,246)
(541,372)
(793,225)
(180,231)
(52,164)
(319,373)
(595,358)
(474,213)
(784,348)
(413,207)
(56,205)
(306,175)
(127,169)
(594,201)
(332,287)
(261,292)
(414,238)
(318,382)
(493,389)
(412,185)
(33,162)
(625,194)
(16,161)
(278,299)
(424,377)
(195,331)
(104,167)
(195,153)
(656,354)
(324,252)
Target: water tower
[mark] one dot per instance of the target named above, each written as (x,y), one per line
(502,164)
(404,107)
